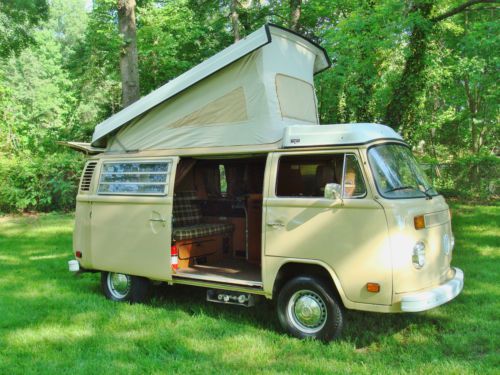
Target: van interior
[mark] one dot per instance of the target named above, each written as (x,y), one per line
(217,218)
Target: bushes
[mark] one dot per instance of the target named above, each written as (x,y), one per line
(470,177)
(49,183)
(41,183)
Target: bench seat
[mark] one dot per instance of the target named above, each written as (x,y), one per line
(202,230)
(188,221)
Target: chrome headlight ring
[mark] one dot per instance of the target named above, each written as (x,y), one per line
(418,256)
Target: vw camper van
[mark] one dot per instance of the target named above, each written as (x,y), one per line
(224,179)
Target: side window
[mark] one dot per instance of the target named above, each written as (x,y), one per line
(307,175)
(134,178)
(223,180)
(354,185)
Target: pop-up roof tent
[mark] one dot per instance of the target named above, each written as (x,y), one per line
(243,96)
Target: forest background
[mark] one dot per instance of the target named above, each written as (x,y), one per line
(427,68)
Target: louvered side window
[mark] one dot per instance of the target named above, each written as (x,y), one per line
(87,176)
(134,177)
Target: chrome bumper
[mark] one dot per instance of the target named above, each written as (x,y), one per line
(428,299)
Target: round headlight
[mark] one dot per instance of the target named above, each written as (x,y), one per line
(418,257)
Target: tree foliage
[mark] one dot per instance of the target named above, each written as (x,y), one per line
(428,69)
(17,20)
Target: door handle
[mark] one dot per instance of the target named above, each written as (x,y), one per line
(276,225)
(157,217)
(160,220)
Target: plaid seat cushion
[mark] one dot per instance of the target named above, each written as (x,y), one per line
(185,211)
(202,230)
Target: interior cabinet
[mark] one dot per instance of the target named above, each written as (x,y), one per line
(188,250)
(254,211)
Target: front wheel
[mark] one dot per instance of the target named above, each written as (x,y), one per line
(125,288)
(308,309)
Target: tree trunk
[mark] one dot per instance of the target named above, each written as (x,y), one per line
(129,66)
(295,12)
(411,83)
(473,103)
(234,20)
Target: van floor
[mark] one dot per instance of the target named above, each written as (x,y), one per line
(228,271)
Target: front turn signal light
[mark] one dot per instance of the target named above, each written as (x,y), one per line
(419,222)
(373,287)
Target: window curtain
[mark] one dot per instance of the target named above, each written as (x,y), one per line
(211,176)
(183,169)
(235,181)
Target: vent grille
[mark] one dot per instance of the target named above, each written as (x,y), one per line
(87,176)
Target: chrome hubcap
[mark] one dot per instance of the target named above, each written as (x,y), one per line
(307,311)
(118,284)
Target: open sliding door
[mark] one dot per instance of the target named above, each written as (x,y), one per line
(131,222)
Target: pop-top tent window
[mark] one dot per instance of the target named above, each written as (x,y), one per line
(296,98)
(230,108)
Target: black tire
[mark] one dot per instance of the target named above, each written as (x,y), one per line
(307,308)
(125,288)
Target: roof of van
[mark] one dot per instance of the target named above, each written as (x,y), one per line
(290,56)
(337,134)
(294,137)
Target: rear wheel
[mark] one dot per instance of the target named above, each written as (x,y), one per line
(307,308)
(121,287)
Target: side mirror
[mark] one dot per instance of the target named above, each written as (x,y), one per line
(333,191)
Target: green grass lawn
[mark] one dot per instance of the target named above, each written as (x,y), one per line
(53,322)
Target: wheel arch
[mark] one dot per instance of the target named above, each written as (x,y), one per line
(295,268)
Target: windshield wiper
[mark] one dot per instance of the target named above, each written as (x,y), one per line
(426,192)
(427,195)
(402,188)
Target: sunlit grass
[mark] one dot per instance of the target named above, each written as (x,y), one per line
(53,322)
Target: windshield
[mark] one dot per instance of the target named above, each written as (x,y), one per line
(397,173)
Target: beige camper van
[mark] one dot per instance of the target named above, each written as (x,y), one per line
(224,179)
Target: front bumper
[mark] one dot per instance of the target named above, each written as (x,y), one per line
(430,298)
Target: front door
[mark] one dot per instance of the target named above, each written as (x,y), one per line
(131,223)
(347,233)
